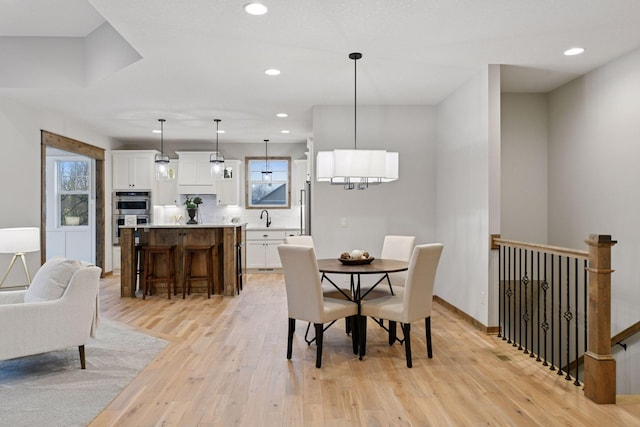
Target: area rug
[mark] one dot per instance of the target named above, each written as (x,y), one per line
(51,390)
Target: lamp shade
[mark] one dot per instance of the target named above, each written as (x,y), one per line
(355,166)
(19,240)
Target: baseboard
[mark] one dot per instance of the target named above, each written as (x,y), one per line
(464,316)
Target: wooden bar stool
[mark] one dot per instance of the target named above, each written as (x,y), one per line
(189,253)
(150,276)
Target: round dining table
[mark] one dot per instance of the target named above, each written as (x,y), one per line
(355,270)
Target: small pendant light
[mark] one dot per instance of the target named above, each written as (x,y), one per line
(216,159)
(266,173)
(162,159)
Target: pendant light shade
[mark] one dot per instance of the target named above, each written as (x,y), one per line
(356,168)
(266,172)
(162,159)
(216,159)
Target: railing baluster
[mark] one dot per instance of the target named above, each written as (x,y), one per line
(501,267)
(568,316)
(586,302)
(538,304)
(545,324)
(560,315)
(576,326)
(531,307)
(519,343)
(525,315)
(509,292)
(552,366)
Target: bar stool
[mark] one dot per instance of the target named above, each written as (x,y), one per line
(150,276)
(189,252)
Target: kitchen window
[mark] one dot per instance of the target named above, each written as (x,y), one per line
(272,190)
(74,186)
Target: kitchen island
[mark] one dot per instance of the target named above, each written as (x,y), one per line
(226,239)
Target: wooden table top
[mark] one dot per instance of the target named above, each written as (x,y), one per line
(377,266)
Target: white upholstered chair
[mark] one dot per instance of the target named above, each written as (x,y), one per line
(304,296)
(394,247)
(59,310)
(400,248)
(409,304)
(299,240)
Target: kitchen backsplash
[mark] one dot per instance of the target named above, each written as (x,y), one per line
(210,213)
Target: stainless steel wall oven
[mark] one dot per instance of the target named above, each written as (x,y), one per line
(130,203)
(118,220)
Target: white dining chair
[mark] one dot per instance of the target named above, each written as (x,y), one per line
(305,300)
(299,240)
(409,304)
(393,247)
(400,248)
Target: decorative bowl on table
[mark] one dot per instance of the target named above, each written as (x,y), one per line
(357,261)
(356,257)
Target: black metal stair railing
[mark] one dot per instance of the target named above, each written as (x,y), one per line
(543,304)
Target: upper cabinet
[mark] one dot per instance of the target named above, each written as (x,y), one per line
(194,173)
(167,191)
(228,185)
(133,169)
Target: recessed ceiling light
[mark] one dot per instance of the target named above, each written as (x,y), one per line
(573,51)
(272,72)
(255,8)
(285,131)
(156,131)
(220,131)
(282,115)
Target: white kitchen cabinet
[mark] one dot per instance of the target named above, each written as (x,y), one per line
(167,190)
(262,249)
(228,185)
(133,169)
(116,258)
(194,173)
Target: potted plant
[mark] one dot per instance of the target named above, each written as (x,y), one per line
(192,205)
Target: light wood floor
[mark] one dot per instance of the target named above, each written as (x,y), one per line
(226,365)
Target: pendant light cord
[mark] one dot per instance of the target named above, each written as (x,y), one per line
(161,136)
(355,56)
(217,133)
(355,104)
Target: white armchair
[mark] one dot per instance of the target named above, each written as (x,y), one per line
(39,320)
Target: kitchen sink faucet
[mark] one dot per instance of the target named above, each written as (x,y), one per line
(268,219)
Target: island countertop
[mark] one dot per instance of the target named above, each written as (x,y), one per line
(213,225)
(228,252)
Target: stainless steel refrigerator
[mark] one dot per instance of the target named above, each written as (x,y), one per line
(305,209)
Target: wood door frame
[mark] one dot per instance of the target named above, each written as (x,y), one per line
(49,139)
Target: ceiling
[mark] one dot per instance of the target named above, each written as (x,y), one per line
(192,61)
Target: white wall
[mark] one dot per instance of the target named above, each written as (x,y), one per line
(463,148)
(406,206)
(524,167)
(20,144)
(594,147)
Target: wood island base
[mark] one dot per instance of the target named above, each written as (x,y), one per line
(227,240)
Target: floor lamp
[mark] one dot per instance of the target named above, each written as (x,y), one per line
(19,241)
